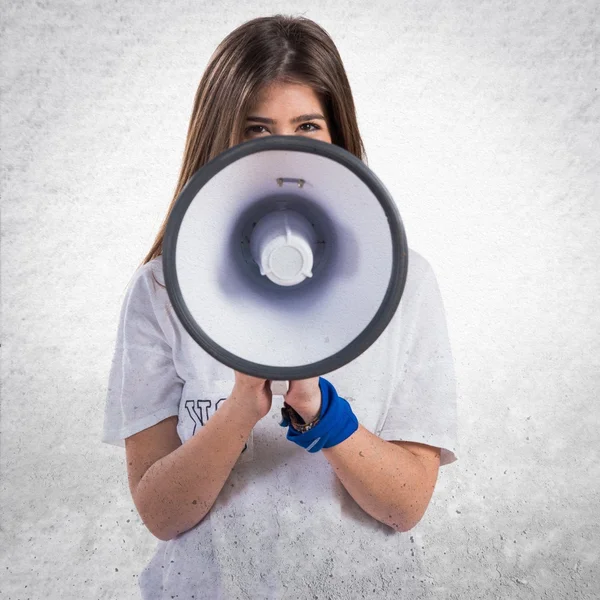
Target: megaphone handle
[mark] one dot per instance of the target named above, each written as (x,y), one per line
(280,388)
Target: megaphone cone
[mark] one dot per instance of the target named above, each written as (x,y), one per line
(285,258)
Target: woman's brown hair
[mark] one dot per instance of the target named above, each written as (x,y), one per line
(263,50)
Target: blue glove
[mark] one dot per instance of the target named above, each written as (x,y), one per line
(337,423)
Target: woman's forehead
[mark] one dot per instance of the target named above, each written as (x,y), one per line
(281,96)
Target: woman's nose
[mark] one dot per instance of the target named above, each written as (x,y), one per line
(282,128)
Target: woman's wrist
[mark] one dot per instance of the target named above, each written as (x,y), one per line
(296,422)
(243,402)
(309,412)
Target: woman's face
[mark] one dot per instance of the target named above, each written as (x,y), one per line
(287,109)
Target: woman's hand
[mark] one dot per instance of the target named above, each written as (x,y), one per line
(304,396)
(252,395)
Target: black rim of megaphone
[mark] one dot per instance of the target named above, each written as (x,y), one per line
(391,299)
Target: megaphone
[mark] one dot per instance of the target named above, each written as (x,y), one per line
(285,258)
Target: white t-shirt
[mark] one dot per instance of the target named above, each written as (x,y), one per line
(283,526)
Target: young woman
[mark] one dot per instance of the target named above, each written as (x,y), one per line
(240,510)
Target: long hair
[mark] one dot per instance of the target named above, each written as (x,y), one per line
(259,52)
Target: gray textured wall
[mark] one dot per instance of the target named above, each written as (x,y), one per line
(481,117)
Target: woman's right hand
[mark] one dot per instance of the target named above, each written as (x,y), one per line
(252,395)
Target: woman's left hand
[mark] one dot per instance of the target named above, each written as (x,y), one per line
(304,396)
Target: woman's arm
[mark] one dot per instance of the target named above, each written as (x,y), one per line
(391,481)
(388,481)
(177,491)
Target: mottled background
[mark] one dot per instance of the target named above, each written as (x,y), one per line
(481,117)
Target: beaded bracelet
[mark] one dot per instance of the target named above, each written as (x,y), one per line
(290,415)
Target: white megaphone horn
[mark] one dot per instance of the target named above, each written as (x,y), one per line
(285,258)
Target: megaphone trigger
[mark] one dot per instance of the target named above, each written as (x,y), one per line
(280,388)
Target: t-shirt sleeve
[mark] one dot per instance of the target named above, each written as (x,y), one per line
(423,407)
(143,387)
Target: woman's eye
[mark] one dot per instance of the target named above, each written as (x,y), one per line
(258,129)
(312,125)
(254,129)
